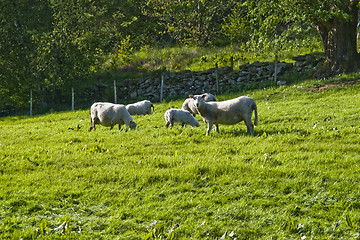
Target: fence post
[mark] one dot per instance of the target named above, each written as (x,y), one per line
(275,67)
(115,95)
(162,87)
(72,99)
(31,103)
(217,78)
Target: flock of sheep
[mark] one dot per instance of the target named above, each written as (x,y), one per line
(212,112)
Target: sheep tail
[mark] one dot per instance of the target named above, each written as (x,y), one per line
(254,107)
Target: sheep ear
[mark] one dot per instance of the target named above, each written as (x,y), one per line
(191,96)
(203,96)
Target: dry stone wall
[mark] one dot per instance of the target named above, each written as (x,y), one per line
(187,82)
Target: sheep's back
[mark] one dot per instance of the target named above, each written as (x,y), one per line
(228,112)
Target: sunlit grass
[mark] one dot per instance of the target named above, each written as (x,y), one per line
(150,59)
(298,177)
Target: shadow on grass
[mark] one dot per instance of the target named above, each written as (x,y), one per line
(258,133)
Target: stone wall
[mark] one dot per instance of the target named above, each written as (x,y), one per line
(187,82)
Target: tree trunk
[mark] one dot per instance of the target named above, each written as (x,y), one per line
(339,40)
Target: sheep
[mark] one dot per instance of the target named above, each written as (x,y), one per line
(178,115)
(109,114)
(189,106)
(208,97)
(226,112)
(140,108)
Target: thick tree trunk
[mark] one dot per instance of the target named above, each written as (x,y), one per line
(339,40)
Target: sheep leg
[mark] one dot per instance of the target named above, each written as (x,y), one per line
(183,125)
(111,127)
(119,127)
(210,124)
(92,126)
(167,124)
(217,128)
(171,122)
(250,127)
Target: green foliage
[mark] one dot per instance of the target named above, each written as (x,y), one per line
(238,27)
(55,45)
(191,22)
(297,178)
(20,26)
(51,46)
(124,52)
(276,26)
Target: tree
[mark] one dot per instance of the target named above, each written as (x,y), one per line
(334,20)
(21,23)
(49,46)
(337,28)
(237,26)
(191,21)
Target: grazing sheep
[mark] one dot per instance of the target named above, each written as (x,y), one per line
(226,112)
(140,108)
(109,114)
(189,106)
(178,115)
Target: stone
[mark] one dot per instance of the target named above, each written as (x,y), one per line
(133,95)
(184,82)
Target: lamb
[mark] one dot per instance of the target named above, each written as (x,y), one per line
(140,108)
(109,114)
(226,112)
(189,106)
(178,115)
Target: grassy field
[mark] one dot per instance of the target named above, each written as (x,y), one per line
(298,178)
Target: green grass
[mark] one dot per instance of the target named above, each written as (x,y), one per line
(152,59)
(299,176)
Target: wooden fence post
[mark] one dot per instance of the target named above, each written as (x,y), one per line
(162,87)
(72,99)
(275,67)
(115,95)
(31,103)
(217,78)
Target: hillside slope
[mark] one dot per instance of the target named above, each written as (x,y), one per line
(297,178)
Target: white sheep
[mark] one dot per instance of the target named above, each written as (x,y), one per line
(178,115)
(140,108)
(189,105)
(109,114)
(226,112)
